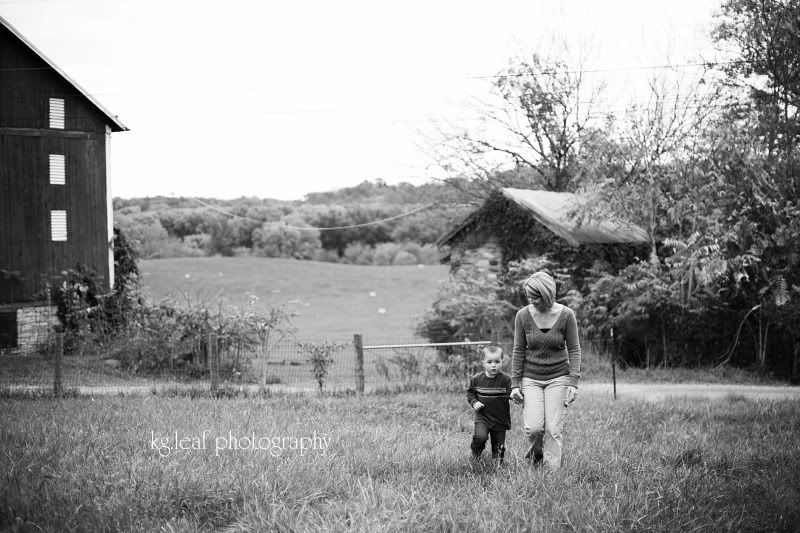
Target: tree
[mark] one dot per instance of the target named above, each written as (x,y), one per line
(638,171)
(338,240)
(223,237)
(427,226)
(532,130)
(761,193)
(766,36)
(286,239)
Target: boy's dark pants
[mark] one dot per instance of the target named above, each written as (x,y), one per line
(482,433)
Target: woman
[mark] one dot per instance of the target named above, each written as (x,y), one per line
(545,367)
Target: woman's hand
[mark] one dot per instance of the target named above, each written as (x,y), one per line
(572,395)
(516,395)
(477,405)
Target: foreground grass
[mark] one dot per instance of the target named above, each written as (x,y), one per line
(394,463)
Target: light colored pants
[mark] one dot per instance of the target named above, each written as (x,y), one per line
(543,417)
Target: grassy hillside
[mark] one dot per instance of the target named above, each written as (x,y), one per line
(333,300)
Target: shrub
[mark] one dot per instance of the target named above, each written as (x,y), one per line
(320,355)
(471,305)
(459,366)
(405,258)
(384,253)
(357,253)
(286,239)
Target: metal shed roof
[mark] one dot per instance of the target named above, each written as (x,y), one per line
(117,125)
(552,210)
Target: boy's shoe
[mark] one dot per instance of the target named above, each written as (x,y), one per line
(501,452)
(537,457)
(475,462)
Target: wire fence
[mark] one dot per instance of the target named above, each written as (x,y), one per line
(361,363)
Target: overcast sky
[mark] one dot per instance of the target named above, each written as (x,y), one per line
(279,99)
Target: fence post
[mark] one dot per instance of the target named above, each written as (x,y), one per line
(58,388)
(613,363)
(213,363)
(358,342)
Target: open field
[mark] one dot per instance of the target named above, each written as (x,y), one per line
(392,463)
(333,300)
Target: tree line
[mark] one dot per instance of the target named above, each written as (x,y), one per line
(177,227)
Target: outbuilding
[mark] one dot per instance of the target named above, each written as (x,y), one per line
(515,224)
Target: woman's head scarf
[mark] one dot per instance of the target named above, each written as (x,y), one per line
(543,285)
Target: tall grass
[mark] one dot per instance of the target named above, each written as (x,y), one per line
(396,463)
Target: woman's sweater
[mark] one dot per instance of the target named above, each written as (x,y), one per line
(540,355)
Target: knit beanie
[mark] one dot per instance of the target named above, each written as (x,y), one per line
(543,284)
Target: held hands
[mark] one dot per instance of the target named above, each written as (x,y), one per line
(477,405)
(516,395)
(571,396)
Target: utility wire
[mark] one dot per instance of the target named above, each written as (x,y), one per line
(565,69)
(310,228)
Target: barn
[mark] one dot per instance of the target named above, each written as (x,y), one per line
(55,201)
(515,224)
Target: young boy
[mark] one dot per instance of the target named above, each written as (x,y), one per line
(488,394)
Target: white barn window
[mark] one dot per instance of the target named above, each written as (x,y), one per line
(58,225)
(58,174)
(57,113)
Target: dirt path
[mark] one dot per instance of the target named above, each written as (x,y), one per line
(660,391)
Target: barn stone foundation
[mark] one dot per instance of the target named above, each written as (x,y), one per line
(34,326)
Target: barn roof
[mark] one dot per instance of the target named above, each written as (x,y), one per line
(116,125)
(552,210)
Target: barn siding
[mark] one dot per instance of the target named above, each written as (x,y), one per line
(28,258)
(26,86)
(26,244)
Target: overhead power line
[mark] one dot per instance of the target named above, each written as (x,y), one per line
(310,228)
(566,69)
(574,70)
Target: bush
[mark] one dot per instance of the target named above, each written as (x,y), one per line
(405,258)
(426,254)
(320,355)
(285,239)
(384,253)
(459,366)
(197,244)
(388,253)
(152,339)
(357,253)
(471,305)
(329,256)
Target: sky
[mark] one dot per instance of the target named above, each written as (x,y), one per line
(280,99)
